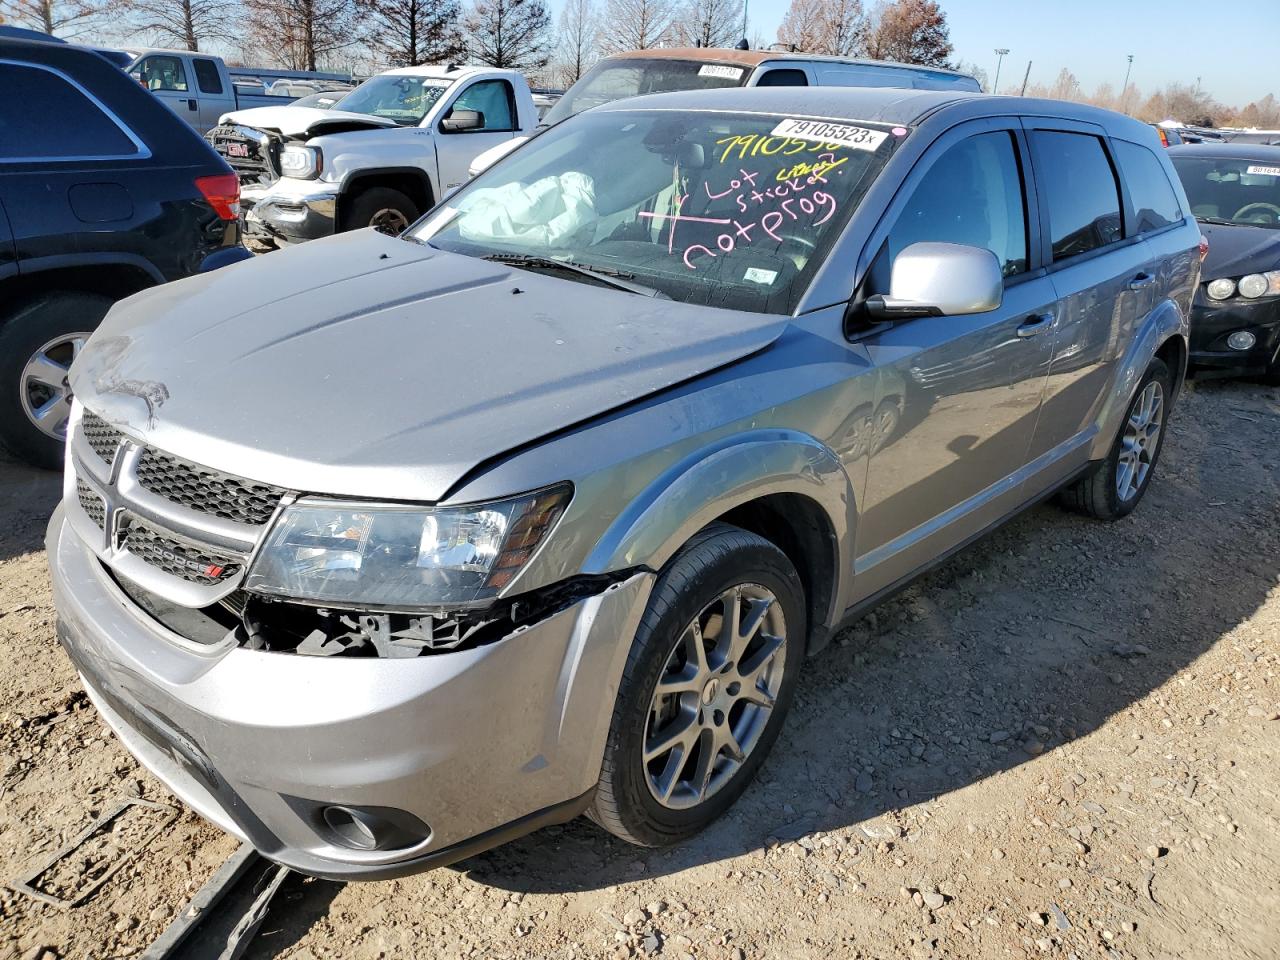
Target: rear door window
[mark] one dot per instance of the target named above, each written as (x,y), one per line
(784,78)
(973,195)
(1155,203)
(82,129)
(207,77)
(1080,190)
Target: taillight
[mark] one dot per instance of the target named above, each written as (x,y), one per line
(1204,247)
(223,193)
(1164,137)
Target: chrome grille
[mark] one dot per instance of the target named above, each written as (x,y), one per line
(101,436)
(174,557)
(250,153)
(92,504)
(208,491)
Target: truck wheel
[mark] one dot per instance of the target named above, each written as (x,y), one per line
(37,344)
(1113,487)
(707,683)
(387,211)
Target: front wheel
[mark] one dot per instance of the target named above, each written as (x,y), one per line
(1113,487)
(710,676)
(387,211)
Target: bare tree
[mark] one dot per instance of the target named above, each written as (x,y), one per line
(910,31)
(708,23)
(577,41)
(834,27)
(182,23)
(509,33)
(302,34)
(63,18)
(410,32)
(636,24)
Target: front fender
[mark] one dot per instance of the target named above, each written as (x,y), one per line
(706,485)
(1165,321)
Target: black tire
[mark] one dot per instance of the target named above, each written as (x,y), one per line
(1096,494)
(22,334)
(715,560)
(367,207)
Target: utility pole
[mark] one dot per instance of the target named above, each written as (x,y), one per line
(1125,88)
(744,18)
(1025,77)
(1000,53)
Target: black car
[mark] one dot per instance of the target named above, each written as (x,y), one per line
(1234,191)
(103,192)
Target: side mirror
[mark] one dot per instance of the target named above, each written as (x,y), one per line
(461,120)
(940,280)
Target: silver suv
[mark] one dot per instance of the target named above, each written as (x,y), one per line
(382,551)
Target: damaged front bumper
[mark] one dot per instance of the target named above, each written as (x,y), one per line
(356,768)
(290,211)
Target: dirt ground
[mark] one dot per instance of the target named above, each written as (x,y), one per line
(1064,743)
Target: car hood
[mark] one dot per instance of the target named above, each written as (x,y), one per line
(1237,250)
(304,121)
(367,366)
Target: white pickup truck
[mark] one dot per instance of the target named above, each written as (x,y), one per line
(200,87)
(382,155)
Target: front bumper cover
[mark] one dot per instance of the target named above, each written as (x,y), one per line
(290,211)
(478,746)
(1211,325)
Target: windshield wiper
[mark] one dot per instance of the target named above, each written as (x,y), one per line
(1218,221)
(614,278)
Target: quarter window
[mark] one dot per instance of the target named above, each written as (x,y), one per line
(207,76)
(1080,187)
(1154,202)
(971,195)
(160,73)
(82,130)
(784,78)
(492,98)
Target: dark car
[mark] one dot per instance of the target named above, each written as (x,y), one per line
(1234,192)
(103,192)
(1169,136)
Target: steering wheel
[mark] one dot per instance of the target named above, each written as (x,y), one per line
(804,242)
(1256,209)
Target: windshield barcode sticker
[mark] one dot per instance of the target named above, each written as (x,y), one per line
(836,134)
(1265,171)
(717,70)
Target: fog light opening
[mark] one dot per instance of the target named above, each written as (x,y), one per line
(1241,340)
(350,828)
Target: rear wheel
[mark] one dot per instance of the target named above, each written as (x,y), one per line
(386,210)
(38,343)
(710,676)
(1113,487)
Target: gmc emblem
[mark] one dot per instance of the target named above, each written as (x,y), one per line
(237,150)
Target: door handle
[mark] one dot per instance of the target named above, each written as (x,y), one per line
(1034,324)
(1141,281)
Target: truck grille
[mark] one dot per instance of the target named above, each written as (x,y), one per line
(252,154)
(208,491)
(101,436)
(177,559)
(92,504)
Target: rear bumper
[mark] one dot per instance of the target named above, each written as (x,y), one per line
(457,751)
(290,211)
(1211,325)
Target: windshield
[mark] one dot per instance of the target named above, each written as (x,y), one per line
(404,99)
(611,80)
(1232,191)
(728,210)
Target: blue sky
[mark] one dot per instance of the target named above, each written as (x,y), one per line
(1234,55)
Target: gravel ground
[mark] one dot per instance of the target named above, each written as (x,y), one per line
(1061,743)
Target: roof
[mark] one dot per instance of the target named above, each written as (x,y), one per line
(1228,151)
(753,58)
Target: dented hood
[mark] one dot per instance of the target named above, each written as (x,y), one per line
(303,121)
(367,366)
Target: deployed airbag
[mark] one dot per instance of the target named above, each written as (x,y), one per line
(545,213)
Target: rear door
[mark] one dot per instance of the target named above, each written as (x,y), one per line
(215,97)
(1103,280)
(959,395)
(165,75)
(495,100)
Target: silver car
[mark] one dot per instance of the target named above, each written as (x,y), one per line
(381,551)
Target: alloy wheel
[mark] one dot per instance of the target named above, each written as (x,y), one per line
(1140,441)
(390,221)
(43,387)
(715,696)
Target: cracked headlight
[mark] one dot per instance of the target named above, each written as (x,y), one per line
(302,163)
(392,557)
